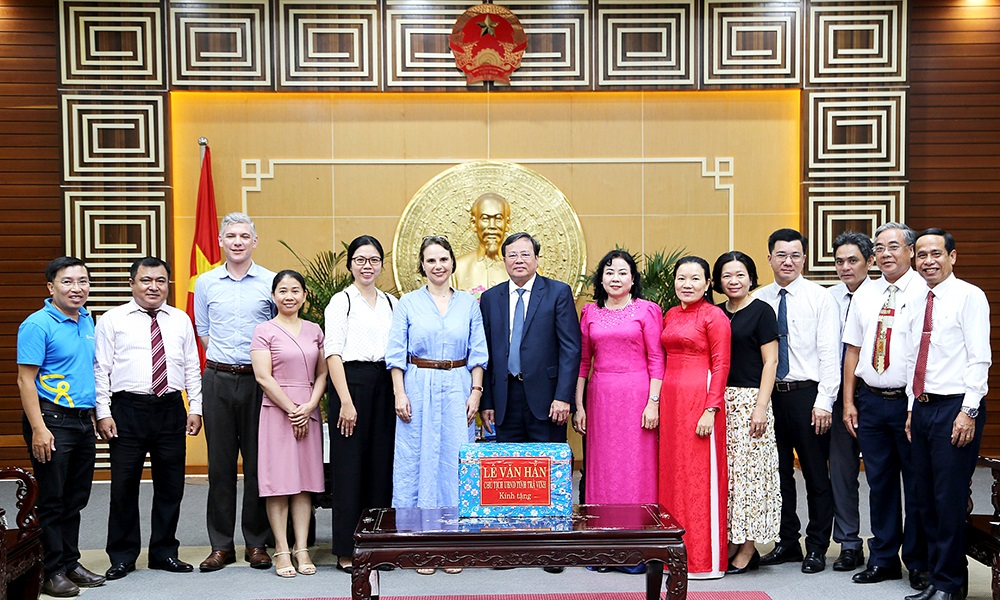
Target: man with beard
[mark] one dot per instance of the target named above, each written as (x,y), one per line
(484,268)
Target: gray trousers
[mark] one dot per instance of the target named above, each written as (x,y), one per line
(845,467)
(231,410)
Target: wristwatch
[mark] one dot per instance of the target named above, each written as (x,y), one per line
(654,398)
(712,409)
(971,411)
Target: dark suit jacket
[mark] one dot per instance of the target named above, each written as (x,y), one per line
(550,347)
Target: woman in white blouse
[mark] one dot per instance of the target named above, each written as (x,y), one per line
(361,443)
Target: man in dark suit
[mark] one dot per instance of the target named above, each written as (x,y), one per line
(533,335)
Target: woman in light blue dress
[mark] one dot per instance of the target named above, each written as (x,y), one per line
(437,354)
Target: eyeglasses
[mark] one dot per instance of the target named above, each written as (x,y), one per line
(68,283)
(894,248)
(783,256)
(359,261)
(517,255)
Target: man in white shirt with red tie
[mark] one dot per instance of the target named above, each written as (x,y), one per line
(875,406)
(146,355)
(948,362)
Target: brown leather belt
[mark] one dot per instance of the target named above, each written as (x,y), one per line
(234,369)
(426,363)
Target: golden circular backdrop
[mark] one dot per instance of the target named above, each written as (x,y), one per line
(441,207)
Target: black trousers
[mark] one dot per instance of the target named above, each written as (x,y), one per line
(519,425)
(943,475)
(231,411)
(361,465)
(890,475)
(794,434)
(63,483)
(153,426)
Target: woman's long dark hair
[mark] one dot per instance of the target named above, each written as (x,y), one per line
(601,294)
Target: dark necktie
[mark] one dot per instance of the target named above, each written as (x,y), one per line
(159,356)
(920,373)
(843,347)
(782,336)
(516,333)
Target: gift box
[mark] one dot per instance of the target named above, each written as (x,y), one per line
(515,480)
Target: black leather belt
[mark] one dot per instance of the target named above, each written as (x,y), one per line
(133,397)
(234,369)
(928,398)
(887,393)
(790,386)
(518,376)
(59,408)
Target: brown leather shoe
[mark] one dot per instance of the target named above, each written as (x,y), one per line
(59,586)
(216,560)
(258,558)
(84,578)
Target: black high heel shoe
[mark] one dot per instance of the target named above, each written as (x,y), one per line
(752,565)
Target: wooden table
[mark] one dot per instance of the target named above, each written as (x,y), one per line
(596,535)
(982,531)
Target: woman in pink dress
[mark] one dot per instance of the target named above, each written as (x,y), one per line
(621,342)
(693,471)
(287,357)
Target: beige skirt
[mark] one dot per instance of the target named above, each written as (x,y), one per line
(754,490)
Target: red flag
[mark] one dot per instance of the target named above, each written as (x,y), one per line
(205,254)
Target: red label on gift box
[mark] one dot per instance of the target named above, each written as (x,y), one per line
(515,481)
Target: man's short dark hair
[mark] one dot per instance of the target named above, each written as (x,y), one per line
(949,241)
(785,235)
(853,238)
(63,262)
(150,262)
(521,235)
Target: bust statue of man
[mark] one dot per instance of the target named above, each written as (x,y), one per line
(478,271)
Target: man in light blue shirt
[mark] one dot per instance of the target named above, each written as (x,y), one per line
(229,302)
(55,378)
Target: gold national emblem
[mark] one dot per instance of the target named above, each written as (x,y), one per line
(488,43)
(475,205)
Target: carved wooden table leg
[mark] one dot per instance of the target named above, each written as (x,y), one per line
(996,577)
(654,579)
(361,587)
(677,578)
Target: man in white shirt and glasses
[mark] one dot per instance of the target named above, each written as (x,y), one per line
(808,378)
(875,407)
(948,364)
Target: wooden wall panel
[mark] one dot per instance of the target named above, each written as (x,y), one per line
(954,124)
(30,206)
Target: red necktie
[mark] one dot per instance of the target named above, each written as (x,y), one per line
(159,356)
(920,373)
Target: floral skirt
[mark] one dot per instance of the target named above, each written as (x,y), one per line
(754,490)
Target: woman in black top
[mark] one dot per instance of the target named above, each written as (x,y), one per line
(754,491)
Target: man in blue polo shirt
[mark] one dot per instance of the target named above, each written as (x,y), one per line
(55,377)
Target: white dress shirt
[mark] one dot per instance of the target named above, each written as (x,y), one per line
(959,356)
(364,333)
(862,325)
(843,297)
(123,359)
(813,336)
(512,295)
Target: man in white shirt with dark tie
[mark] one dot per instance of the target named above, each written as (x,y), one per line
(853,257)
(948,364)
(146,356)
(808,378)
(875,407)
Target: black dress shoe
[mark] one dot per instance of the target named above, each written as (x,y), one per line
(119,570)
(876,574)
(172,564)
(752,565)
(849,560)
(781,554)
(919,580)
(814,562)
(939,595)
(926,594)
(84,577)
(59,586)
(553,569)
